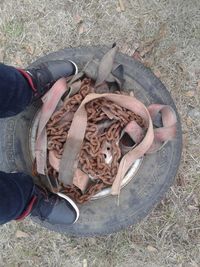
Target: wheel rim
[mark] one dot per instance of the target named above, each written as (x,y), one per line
(106,191)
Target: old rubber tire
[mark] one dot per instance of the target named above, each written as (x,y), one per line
(156,174)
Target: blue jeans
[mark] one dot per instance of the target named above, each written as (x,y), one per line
(15,188)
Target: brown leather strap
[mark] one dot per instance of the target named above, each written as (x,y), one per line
(67,167)
(147,140)
(50,100)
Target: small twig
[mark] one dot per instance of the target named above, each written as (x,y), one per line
(121,4)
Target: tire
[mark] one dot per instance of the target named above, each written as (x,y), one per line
(147,188)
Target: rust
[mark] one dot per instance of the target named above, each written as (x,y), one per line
(91,158)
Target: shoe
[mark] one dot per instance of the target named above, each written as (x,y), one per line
(51,208)
(44,75)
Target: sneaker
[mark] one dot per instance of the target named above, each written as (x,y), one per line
(51,208)
(44,75)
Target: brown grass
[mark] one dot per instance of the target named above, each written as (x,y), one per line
(170,236)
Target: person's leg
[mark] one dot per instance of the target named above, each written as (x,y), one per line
(15,188)
(15,91)
(19,87)
(18,195)
(16,191)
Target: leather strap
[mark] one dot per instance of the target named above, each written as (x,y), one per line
(148,140)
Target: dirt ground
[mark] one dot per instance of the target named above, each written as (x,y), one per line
(167,32)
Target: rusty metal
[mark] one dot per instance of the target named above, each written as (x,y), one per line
(91,158)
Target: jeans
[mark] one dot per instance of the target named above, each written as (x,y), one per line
(16,189)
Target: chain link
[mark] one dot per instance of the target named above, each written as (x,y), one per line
(91,157)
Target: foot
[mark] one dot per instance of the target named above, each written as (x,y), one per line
(51,208)
(44,75)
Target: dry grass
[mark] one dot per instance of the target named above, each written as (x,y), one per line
(170,236)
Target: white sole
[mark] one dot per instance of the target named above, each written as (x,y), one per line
(76,67)
(72,203)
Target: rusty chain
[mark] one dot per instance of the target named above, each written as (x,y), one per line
(91,158)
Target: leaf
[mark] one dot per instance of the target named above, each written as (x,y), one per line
(198,84)
(162,31)
(1,55)
(193,264)
(148,48)
(78,19)
(180,181)
(152,249)
(29,49)
(85,263)
(18,61)
(190,93)
(121,5)
(21,234)
(157,73)
(118,9)
(189,121)
(191,207)
(81,28)
(136,55)
(106,65)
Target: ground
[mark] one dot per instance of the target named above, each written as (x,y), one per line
(167,33)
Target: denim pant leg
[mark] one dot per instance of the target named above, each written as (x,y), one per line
(15,91)
(15,193)
(15,188)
